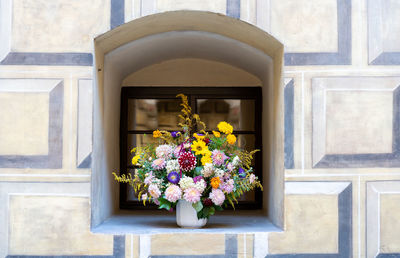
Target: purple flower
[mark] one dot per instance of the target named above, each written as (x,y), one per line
(173,177)
(175,134)
(242,173)
(197,179)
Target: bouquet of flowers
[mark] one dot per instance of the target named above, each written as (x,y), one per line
(205,169)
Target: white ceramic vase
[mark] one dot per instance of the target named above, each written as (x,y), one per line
(186,216)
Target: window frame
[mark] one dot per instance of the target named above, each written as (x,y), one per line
(193,93)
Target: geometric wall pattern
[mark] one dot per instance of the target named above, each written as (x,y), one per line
(382,223)
(43,150)
(312,206)
(356,122)
(85,113)
(353,123)
(313,33)
(289,122)
(383,32)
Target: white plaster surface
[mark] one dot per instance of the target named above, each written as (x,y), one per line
(24,120)
(305,25)
(391,25)
(218,6)
(359,122)
(76,23)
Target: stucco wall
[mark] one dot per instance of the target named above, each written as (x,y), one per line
(342,128)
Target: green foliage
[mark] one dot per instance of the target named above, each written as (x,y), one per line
(206,212)
(164,204)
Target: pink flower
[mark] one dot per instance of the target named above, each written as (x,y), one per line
(149,178)
(217,197)
(173,193)
(164,151)
(177,151)
(252,178)
(158,164)
(230,167)
(192,195)
(154,191)
(218,157)
(228,186)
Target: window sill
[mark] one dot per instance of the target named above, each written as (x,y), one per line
(160,222)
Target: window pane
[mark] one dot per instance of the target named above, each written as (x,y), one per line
(151,114)
(239,113)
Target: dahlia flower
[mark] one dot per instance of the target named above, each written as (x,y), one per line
(208,170)
(219,172)
(235,161)
(158,164)
(172,165)
(186,182)
(187,161)
(173,193)
(149,178)
(177,151)
(192,195)
(217,196)
(228,186)
(154,191)
(218,157)
(200,185)
(164,151)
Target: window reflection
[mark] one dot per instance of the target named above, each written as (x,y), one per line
(238,112)
(151,114)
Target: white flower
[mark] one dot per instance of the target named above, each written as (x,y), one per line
(149,178)
(200,185)
(235,161)
(144,196)
(219,172)
(252,178)
(208,170)
(172,165)
(186,182)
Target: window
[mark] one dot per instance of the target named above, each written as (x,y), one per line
(144,109)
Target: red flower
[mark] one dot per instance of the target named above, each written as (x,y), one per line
(207,202)
(187,161)
(206,140)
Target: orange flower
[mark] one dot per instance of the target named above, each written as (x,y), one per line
(231,139)
(215,182)
(156,133)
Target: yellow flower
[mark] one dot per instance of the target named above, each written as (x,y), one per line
(231,139)
(135,159)
(215,182)
(198,136)
(206,159)
(199,147)
(207,152)
(225,127)
(216,134)
(156,133)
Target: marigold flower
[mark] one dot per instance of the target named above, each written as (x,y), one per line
(206,159)
(199,147)
(231,139)
(216,134)
(215,182)
(225,127)
(135,159)
(156,133)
